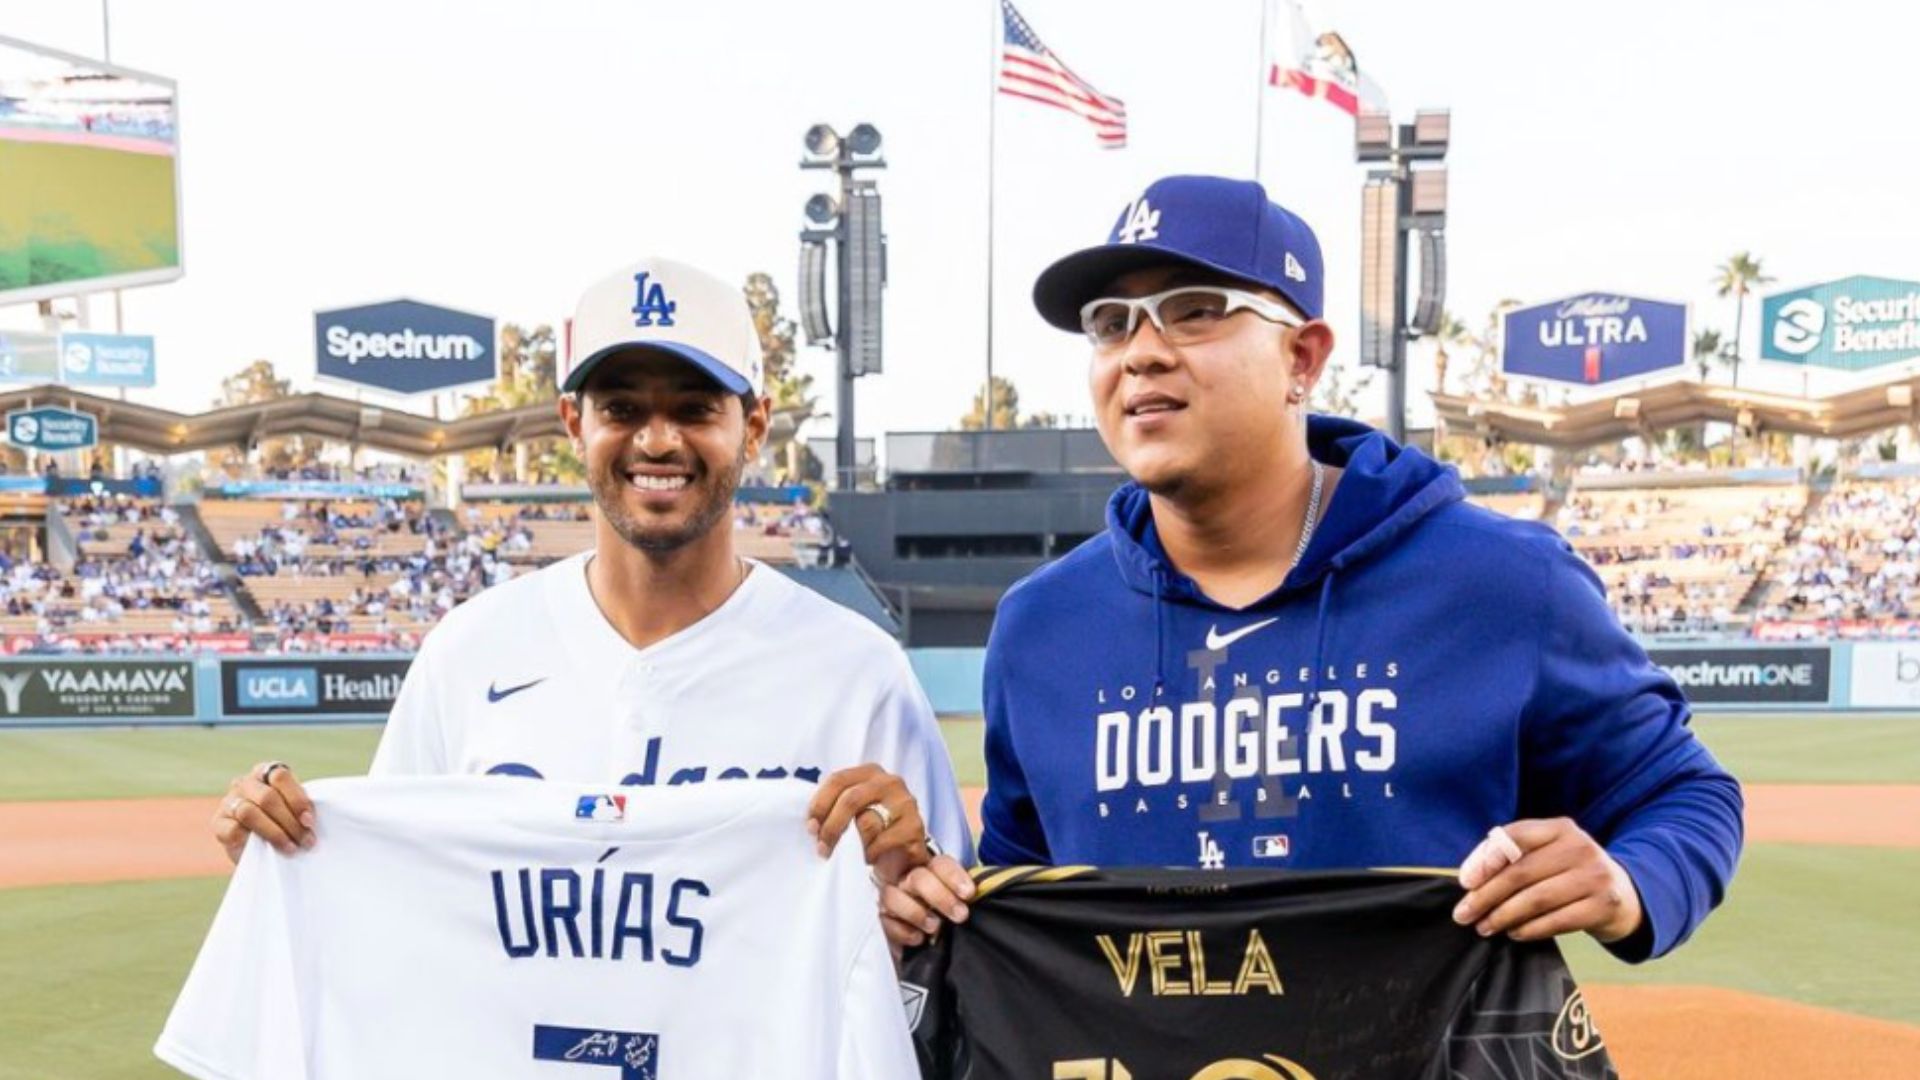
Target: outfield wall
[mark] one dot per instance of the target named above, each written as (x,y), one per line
(1738,676)
(52,691)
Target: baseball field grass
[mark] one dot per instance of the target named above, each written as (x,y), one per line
(143,763)
(89,971)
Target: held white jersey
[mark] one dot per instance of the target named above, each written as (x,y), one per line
(494,928)
(529,679)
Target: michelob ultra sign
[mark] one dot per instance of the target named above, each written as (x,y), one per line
(1593,338)
(1853,324)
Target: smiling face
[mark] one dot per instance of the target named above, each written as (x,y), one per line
(664,447)
(1205,416)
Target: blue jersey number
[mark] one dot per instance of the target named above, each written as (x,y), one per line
(635,1053)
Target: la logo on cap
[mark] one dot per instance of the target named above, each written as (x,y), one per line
(651,301)
(1143,223)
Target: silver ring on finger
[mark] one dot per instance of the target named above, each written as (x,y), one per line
(233,807)
(877,810)
(266,771)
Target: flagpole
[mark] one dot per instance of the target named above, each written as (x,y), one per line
(1260,93)
(993,98)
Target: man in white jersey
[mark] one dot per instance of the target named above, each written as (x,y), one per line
(660,657)
(457,926)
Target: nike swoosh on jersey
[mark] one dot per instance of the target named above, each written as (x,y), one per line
(1217,641)
(494,696)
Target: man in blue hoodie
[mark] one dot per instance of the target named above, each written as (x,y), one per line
(1297,646)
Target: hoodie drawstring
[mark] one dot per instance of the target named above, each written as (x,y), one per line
(1159,639)
(1320,640)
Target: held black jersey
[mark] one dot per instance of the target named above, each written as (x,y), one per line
(1075,973)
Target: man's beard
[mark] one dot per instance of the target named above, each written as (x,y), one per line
(714,507)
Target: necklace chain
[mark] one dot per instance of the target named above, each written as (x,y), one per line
(1312,519)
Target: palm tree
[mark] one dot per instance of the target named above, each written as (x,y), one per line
(1483,375)
(1707,347)
(1451,331)
(1738,276)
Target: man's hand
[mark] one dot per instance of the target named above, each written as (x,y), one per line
(911,910)
(1533,880)
(268,800)
(878,804)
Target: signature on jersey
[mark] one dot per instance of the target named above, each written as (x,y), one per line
(600,1044)
(604,1045)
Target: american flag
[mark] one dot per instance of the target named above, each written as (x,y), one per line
(1028,69)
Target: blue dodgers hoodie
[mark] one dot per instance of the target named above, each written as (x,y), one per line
(1429,670)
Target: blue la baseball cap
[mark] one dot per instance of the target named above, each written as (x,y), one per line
(1229,226)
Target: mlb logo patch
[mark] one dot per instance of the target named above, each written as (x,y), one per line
(601,808)
(1271,847)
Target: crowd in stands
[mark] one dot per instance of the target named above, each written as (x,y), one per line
(95,514)
(1582,515)
(1673,558)
(333,473)
(1857,559)
(157,567)
(317,522)
(414,589)
(798,520)
(395,588)
(1681,559)
(48,465)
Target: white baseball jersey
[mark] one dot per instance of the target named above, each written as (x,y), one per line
(484,927)
(530,679)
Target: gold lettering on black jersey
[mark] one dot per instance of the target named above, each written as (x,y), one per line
(1162,958)
(1270,1067)
(1177,962)
(1125,973)
(1257,969)
(1574,1033)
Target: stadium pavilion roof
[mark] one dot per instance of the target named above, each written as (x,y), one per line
(162,431)
(1843,415)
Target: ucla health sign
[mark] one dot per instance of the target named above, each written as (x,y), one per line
(1853,324)
(1594,338)
(106,360)
(341,686)
(51,428)
(404,347)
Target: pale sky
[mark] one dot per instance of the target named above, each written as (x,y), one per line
(496,157)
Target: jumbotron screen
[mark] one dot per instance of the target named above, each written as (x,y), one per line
(89,176)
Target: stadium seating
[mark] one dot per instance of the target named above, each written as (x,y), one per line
(360,567)
(1680,557)
(136,573)
(1857,559)
(1676,554)
(554,530)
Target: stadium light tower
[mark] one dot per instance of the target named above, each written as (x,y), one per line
(851,221)
(1409,195)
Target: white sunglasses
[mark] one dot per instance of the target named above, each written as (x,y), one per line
(1183,316)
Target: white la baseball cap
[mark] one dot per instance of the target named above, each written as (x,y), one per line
(658,305)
